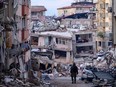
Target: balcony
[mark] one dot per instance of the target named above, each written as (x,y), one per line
(63,48)
(45,47)
(84,54)
(85,51)
(85,44)
(25,10)
(50,47)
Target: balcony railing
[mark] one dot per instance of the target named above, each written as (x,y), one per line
(84,54)
(54,47)
(85,44)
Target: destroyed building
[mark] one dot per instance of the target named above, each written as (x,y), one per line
(83,26)
(14,20)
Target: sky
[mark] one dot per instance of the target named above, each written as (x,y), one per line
(52,5)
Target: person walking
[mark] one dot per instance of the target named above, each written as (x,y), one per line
(74,72)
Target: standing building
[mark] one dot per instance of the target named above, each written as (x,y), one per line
(79,6)
(114,22)
(104,19)
(2,59)
(37,15)
(26,18)
(15,21)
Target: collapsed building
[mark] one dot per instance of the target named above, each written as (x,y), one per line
(82,23)
(84,32)
(76,38)
(58,42)
(14,22)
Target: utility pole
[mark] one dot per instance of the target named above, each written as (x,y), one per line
(4,35)
(114,24)
(1,44)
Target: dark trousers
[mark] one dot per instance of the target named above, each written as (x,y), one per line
(73,77)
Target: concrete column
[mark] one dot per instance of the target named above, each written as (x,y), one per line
(27,56)
(72,57)
(95,44)
(53,57)
(53,47)
(94,47)
(68,57)
(114,21)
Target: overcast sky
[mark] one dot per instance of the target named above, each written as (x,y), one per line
(52,5)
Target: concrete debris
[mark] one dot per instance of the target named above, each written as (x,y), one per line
(54,71)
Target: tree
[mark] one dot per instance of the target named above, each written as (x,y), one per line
(101,34)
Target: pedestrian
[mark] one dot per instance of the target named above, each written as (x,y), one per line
(74,72)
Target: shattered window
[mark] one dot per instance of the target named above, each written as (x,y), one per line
(34,40)
(99,43)
(63,42)
(57,40)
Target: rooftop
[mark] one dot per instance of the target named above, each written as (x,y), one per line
(38,8)
(66,34)
(77,16)
(83,3)
(76,6)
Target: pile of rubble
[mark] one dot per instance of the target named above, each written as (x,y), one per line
(14,80)
(32,78)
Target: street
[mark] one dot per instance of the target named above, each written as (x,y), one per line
(43,43)
(66,82)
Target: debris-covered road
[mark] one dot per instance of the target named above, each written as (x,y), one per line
(66,82)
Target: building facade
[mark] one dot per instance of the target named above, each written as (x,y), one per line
(59,43)
(37,15)
(79,6)
(15,22)
(83,25)
(2,59)
(114,22)
(104,19)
